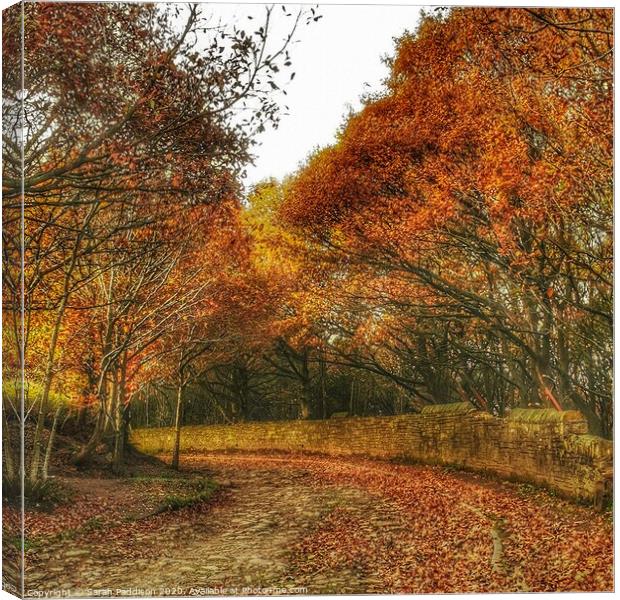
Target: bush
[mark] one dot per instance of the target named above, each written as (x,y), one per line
(40,494)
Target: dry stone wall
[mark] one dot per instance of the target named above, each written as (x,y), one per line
(538,446)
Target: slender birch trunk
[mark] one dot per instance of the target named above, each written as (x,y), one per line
(177,426)
(50,444)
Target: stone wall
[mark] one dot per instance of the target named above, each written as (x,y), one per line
(543,447)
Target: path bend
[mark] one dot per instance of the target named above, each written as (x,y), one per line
(317,525)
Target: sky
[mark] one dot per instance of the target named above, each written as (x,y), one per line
(335,60)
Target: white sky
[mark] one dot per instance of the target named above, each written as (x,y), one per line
(332,59)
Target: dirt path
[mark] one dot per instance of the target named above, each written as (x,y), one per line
(302,525)
(242,545)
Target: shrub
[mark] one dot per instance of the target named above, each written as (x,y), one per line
(39,494)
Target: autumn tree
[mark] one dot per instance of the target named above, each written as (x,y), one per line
(478,187)
(131,110)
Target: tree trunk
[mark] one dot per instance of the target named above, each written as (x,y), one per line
(7,448)
(323,391)
(177,428)
(50,443)
(95,439)
(352,398)
(49,367)
(126,426)
(37,448)
(307,399)
(119,419)
(304,407)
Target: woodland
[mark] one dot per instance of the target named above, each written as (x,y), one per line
(454,243)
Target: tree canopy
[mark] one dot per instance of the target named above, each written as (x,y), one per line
(454,243)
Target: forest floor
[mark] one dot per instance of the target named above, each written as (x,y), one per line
(307,524)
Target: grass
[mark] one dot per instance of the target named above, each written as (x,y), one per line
(200,490)
(178,492)
(454,408)
(16,542)
(140,479)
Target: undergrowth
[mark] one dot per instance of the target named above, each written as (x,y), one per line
(43,494)
(200,490)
